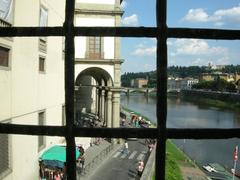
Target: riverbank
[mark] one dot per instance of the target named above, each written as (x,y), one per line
(222,102)
(217,99)
(178,165)
(144,118)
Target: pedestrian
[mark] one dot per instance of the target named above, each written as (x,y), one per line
(140,169)
(137,123)
(126,147)
(133,120)
(57,176)
(141,163)
(123,121)
(82,161)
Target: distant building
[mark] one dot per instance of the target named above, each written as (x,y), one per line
(215,67)
(174,83)
(206,77)
(213,76)
(187,83)
(139,82)
(238,86)
(236,77)
(181,83)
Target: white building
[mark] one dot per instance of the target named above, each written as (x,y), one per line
(177,84)
(187,83)
(98,61)
(32,76)
(31,84)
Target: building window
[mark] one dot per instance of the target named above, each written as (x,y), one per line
(41,122)
(4,57)
(4,155)
(5,161)
(43,20)
(63,116)
(95,47)
(41,64)
(6,15)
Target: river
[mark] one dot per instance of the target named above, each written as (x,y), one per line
(183,114)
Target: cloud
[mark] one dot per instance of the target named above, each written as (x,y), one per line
(144,51)
(130,20)
(197,52)
(198,15)
(197,47)
(218,18)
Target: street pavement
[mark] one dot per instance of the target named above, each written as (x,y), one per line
(122,165)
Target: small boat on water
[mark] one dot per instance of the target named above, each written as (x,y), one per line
(209,168)
(215,171)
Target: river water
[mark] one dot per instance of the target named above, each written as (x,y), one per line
(183,114)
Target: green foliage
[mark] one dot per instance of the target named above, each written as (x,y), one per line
(172,169)
(191,71)
(175,71)
(231,69)
(216,85)
(173,160)
(127,77)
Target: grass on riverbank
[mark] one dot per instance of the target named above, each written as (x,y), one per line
(206,101)
(213,102)
(175,158)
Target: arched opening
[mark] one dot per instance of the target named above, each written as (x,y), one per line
(92,86)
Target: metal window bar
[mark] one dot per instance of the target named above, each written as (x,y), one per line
(161,133)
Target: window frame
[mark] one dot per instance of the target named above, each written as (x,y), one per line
(41,122)
(9,169)
(8,67)
(161,32)
(91,48)
(42,42)
(44,64)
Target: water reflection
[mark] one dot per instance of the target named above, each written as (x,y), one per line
(183,114)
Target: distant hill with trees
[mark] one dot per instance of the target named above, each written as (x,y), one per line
(176,71)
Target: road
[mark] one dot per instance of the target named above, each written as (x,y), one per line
(122,166)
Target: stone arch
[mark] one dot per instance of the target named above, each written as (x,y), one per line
(92,85)
(98,74)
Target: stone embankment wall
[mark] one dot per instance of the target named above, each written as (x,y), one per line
(224,96)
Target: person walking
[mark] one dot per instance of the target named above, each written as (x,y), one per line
(140,168)
(82,161)
(126,147)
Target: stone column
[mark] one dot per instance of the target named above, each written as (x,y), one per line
(116,109)
(102,105)
(99,102)
(109,109)
(96,106)
(117,75)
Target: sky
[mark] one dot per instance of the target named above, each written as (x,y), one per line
(139,54)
